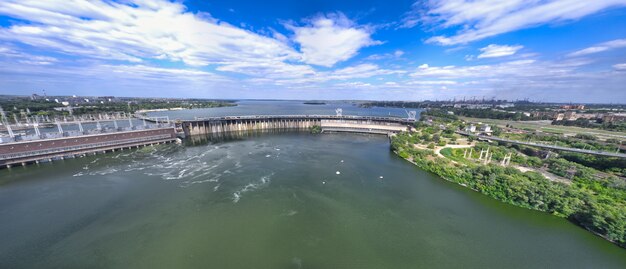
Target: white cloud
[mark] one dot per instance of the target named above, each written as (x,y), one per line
(432,82)
(330,39)
(519,68)
(553,80)
(136,30)
(494,50)
(469,58)
(360,71)
(356,84)
(269,70)
(395,54)
(480,19)
(609,45)
(620,67)
(26,58)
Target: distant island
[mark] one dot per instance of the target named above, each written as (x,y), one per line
(314,103)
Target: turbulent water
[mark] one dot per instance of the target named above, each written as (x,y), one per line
(290,200)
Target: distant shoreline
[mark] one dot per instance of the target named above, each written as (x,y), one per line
(314,103)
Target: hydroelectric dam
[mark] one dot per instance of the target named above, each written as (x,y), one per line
(26,149)
(327,123)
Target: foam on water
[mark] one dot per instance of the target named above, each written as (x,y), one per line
(263,181)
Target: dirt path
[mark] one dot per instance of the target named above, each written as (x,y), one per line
(549,176)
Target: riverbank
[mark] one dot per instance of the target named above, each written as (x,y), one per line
(588,203)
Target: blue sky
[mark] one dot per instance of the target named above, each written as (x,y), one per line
(544,50)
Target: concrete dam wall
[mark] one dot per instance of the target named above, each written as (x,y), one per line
(358,124)
(222,126)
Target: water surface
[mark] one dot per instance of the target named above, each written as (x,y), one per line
(272,201)
(262,107)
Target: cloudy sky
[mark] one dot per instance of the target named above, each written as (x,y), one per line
(548,50)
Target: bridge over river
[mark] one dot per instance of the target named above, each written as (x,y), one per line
(328,123)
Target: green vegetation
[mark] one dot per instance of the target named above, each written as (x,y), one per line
(595,204)
(612,165)
(579,141)
(495,114)
(20,106)
(585,123)
(586,189)
(593,201)
(440,114)
(315,129)
(546,127)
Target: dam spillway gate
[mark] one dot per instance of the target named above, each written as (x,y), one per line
(355,124)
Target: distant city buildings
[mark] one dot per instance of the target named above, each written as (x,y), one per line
(473,106)
(577,107)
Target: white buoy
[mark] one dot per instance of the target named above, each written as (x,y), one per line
(337,172)
(341,160)
(323,182)
(381,177)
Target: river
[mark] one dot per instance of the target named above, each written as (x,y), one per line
(279,200)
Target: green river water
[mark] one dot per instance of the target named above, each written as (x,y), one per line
(272,201)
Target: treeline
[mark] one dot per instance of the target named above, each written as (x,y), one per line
(597,204)
(494,114)
(400,104)
(442,114)
(579,141)
(586,123)
(17,107)
(487,113)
